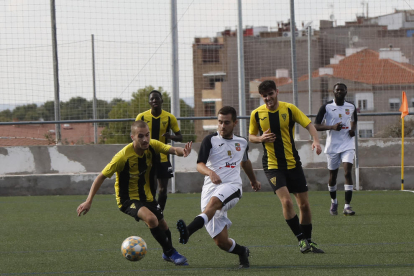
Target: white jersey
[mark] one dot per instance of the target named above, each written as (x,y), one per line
(331,114)
(223,156)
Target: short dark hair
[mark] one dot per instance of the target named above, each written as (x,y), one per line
(155,91)
(267,86)
(340,83)
(225,110)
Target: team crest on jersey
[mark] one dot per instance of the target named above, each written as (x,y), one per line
(133,206)
(340,115)
(284,117)
(347,111)
(229,152)
(238,148)
(273,180)
(164,123)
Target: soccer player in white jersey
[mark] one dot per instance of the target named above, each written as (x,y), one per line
(339,119)
(220,157)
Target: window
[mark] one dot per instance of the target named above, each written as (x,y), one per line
(362,104)
(365,133)
(366,129)
(209,108)
(394,104)
(364,101)
(211,55)
(210,83)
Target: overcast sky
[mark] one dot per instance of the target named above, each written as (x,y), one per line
(132,41)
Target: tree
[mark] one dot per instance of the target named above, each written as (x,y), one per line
(119,132)
(20,113)
(394,130)
(6,116)
(47,111)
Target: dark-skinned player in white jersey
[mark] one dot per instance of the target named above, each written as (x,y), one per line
(339,119)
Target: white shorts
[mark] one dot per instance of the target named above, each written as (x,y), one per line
(335,159)
(229,194)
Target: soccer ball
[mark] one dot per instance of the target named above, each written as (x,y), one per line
(134,248)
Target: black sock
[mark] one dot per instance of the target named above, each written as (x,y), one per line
(238,249)
(162,239)
(168,234)
(195,225)
(333,194)
(307,231)
(162,200)
(348,197)
(295,227)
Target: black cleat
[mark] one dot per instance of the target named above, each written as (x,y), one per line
(314,248)
(182,228)
(244,258)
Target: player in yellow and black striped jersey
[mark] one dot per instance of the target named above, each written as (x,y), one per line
(135,187)
(275,123)
(160,123)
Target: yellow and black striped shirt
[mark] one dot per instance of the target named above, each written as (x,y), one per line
(135,173)
(281,154)
(159,125)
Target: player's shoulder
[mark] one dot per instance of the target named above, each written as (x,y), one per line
(349,104)
(210,136)
(167,114)
(143,114)
(260,108)
(240,138)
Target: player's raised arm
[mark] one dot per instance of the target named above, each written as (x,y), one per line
(84,207)
(181,151)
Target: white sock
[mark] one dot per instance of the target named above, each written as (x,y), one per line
(334,200)
(333,189)
(233,246)
(348,187)
(346,206)
(204,216)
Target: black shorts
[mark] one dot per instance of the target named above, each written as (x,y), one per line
(131,207)
(293,179)
(164,170)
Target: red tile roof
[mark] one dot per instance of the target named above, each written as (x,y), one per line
(366,67)
(36,135)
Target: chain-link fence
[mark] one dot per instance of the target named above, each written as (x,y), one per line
(120,50)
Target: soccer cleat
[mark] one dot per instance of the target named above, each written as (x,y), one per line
(244,258)
(182,228)
(304,246)
(348,211)
(175,258)
(334,209)
(314,248)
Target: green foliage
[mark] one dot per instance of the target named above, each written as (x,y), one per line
(6,116)
(119,132)
(26,112)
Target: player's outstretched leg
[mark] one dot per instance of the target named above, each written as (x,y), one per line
(175,257)
(182,228)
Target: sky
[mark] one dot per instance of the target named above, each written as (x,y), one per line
(133,41)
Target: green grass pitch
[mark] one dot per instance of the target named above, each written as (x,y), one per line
(43,236)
